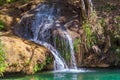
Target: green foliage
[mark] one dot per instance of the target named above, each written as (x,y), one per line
(102,22)
(49,59)
(117,51)
(107,7)
(63,47)
(1,25)
(117,18)
(88,33)
(113,32)
(2,2)
(117,31)
(91,37)
(2,59)
(77,41)
(39,67)
(36,68)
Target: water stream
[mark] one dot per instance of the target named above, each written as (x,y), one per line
(43,24)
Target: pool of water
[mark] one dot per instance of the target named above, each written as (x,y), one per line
(84,74)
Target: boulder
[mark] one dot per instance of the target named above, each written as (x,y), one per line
(22,55)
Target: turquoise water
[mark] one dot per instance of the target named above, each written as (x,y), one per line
(98,74)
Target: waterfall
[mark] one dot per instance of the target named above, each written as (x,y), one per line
(73,61)
(41,29)
(59,62)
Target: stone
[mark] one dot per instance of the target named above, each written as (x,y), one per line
(22,55)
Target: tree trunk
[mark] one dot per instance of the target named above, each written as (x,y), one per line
(84,6)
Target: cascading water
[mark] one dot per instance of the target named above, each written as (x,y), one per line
(42,32)
(73,61)
(44,23)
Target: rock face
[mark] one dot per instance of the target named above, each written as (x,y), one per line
(22,55)
(70,19)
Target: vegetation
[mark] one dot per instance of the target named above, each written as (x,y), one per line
(2,26)
(107,7)
(2,59)
(39,67)
(2,2)
(113,34)
(76,43)
(88,33)
(63,47)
